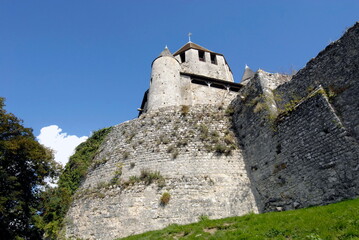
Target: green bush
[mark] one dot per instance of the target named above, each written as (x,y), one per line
(146,177)
(116,178)
(132,180)
(173,150)
(220,148)
(56,201)
(230,110)
(165,198)
(98,163)
(203,129)
(204,132)
(229,138)
(203,218)
(149,177)
(132,165)
(184,110)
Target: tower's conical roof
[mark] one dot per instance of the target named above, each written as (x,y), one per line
(166,52)
(191,45)
(248,73)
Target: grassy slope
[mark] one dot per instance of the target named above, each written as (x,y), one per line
(335,221)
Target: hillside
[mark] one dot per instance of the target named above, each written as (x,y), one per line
(334,221)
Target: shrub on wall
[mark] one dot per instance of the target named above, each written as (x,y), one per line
(149,177)
(184,110)
(165,198)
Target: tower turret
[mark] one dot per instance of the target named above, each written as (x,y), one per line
(193,75)
(165,82)
(247,75)
(198,60)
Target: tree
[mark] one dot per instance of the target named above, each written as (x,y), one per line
(24,166)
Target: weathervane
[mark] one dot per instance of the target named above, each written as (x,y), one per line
(189,37)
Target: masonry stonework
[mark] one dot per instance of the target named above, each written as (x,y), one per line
(299,139)
(336,69)
(179,144)
(218,148)
(178,79)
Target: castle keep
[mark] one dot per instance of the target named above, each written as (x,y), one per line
(179,79)
(218,148)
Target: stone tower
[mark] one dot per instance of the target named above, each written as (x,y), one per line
(179,79)
(165,82)
(198,60)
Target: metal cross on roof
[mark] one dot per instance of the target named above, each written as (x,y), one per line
(189,37)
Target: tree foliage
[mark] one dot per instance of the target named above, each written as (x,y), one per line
(56,201)
(24,165)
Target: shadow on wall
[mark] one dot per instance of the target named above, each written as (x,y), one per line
(300,140)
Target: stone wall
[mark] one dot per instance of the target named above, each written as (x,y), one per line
(301,159)
(193,149)
(210,95)
(299,140)
(195,94)
(336,69)
(193,65)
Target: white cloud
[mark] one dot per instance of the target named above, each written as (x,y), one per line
(63,145)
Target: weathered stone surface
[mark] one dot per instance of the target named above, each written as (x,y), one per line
(172,84)
(336,69)
(299,140)
(220,70)
(297,146)
(178,143)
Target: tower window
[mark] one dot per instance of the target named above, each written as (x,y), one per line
(183,57)
(201,55)
(213,58)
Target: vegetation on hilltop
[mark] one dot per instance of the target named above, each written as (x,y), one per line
(335,221)
(56,201)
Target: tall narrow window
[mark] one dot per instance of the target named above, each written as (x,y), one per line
(201,55)
(213,58)
(183,57)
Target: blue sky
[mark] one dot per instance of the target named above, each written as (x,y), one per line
(84,65)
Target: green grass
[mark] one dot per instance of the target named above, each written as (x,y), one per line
(335,221)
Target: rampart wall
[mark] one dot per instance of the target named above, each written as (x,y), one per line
(299,140)
(195,152)
(336,69)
